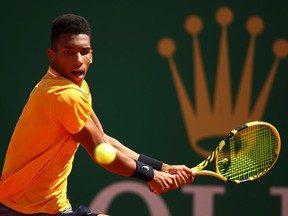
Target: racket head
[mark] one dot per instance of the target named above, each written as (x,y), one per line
(249,152)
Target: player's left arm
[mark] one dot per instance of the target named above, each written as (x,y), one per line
(118,145)
(183,174)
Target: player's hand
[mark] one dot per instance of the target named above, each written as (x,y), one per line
(182,173)
(162,182)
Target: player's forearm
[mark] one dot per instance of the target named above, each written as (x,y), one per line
(124,149)
(122,165)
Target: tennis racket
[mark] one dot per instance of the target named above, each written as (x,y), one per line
(245,154)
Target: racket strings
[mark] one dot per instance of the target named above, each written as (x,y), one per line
(248,154)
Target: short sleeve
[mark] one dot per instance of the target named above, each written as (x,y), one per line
(72,109)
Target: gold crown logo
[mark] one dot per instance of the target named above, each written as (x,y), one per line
(206,119)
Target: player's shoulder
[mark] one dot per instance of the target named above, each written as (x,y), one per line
(71,92)
(61,89)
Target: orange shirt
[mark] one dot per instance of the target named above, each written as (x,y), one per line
(41,151)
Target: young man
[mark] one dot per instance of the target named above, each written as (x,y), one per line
(58,116)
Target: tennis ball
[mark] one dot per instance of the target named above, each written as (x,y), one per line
(104,153)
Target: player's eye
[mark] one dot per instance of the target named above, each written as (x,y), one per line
(68,52)
(85,52)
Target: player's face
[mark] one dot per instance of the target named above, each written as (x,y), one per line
(71,56)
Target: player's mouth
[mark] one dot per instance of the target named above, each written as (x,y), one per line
(79,74)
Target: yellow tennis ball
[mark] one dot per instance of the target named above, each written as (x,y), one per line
(105,153)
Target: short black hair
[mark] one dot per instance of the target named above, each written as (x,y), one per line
(69,24)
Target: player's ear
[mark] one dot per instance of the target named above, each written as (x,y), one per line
(91,58)
(51,55)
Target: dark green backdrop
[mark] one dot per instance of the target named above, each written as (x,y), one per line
(134,94)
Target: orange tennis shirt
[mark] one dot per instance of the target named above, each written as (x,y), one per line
(41,151)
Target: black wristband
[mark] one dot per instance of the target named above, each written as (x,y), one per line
(143,171)
(156,164)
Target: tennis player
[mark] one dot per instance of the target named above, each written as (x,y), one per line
(56,118)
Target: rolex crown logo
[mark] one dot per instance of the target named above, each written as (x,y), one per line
(205,118)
